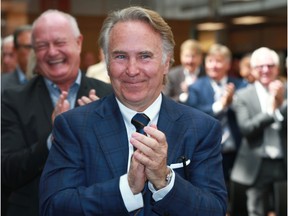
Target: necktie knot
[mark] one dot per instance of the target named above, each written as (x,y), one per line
(140,120)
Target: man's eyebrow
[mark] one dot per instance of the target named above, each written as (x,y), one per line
(118,52)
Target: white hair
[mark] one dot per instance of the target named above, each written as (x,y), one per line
(7,39)
(264,51)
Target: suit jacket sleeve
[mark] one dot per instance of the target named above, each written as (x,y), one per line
(251,120)
(64,186)
(203,193)
(201,96)
(23,141)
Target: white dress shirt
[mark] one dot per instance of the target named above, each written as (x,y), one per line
(131,201)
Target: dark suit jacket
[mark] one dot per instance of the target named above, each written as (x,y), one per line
(252,123)
(9,80)
(174,79)
(25,127)
(90,153)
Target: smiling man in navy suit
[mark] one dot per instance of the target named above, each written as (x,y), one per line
(176,169)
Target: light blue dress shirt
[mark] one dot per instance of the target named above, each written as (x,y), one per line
(55,93)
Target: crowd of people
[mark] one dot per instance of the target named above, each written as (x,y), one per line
(69,144)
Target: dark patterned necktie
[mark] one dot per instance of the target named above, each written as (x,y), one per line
(140,120)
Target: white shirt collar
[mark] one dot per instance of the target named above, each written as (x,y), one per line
(152,111)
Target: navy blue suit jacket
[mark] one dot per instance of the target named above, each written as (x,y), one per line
(201,96)
(90,153)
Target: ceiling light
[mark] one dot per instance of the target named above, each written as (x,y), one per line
(210,26)
(248,20)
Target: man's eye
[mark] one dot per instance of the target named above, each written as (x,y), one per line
(145,56)
(120,57)
(60,43)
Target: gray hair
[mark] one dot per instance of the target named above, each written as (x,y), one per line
(6,40)
(264,51)
(138,14)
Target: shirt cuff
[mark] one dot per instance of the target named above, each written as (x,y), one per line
(49,142)
(217,107)
(278,116)
(131,201)
(183,97)
(160,194)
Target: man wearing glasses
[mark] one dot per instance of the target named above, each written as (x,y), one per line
(261,111)
(22,48)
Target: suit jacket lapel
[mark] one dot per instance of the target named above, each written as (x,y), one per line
(255,102)
(113,134)
(166,123)
(209,90)
(44,98)
(83,89)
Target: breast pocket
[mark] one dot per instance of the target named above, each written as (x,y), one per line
(182,167)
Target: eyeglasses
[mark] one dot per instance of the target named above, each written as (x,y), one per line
(25,46)
(260,67)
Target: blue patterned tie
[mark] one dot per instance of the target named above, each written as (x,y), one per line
(140,120)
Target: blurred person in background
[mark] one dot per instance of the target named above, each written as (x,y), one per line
(32,69)
(8,56)
(22,48)
(245,69)
(99,70)
(88,59)
(213,94)
(261,111)
(181,76)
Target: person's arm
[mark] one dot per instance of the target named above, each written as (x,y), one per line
(66,185)
(204,192)
(250,124)
(200,99)
(23,148)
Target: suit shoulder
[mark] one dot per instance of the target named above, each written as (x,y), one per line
(200,82)
(244,92)
(101,87)
(8,80)
(238,82)
(22,93)
(175,70)
(186,112)
(93,81)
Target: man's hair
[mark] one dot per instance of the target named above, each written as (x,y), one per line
(150,17)
(6,40)
(71,20)
(191,44)
(262,51)
(18,31)
(219,49)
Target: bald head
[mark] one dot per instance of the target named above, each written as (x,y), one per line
(51,17)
